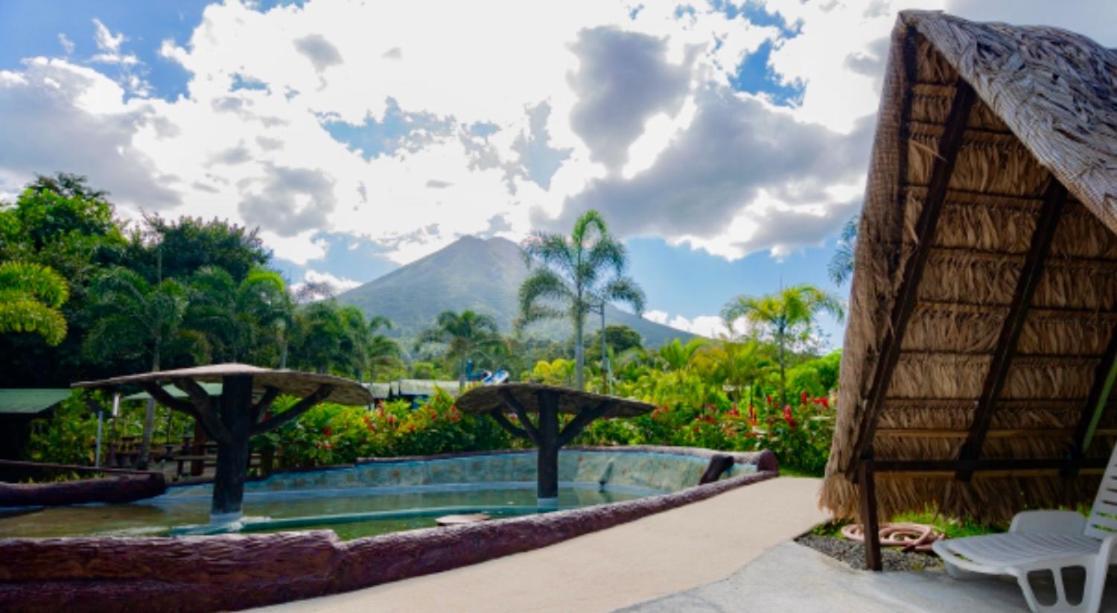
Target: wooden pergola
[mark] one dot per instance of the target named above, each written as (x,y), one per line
(546,432)
(241,411)
(980,355)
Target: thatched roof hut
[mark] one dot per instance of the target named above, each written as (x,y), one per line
(984,301)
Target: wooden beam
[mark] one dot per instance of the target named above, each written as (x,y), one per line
(870,524)
(1054,201)
(205,415)
(943,168)
(1094,406)
(521,413)
(293,413)
(264,403)
(583,419)
(511,428)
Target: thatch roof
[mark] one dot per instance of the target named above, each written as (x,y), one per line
(1010,285)
(291,382)
(485,398)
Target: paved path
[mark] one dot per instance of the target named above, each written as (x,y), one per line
(651,557)
(791,578)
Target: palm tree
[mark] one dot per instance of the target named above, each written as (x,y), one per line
(240,320)
(30,299)
(569,273)
(137,319)
(787,317)
(841,264)
(465,335)
(381,351)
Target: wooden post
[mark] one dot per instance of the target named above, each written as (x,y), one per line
(547,453)
(232,455)
(198,448)
(869,522)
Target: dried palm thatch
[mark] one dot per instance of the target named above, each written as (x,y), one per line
(1044,118)
(292,382)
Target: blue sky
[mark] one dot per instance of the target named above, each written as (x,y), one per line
(725,141)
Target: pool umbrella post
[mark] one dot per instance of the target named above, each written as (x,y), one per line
(234,417)
(547,402)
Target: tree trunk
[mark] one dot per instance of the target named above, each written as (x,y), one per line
(783,369)
(233,455)
(579,353)
(461,375)
(149,420)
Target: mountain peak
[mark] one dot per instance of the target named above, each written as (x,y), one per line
(481,274)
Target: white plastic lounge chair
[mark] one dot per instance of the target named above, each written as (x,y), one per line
(1046,541)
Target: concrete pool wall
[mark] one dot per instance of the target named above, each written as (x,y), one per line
(236,571)
(647,470)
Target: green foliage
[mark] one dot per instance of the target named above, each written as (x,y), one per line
(556,372)
(134,318)
(334,434)
(465,336)
(617,338)
(67,437)
(328,337)
(787,318)
(840,267)
(184,246)
(242,322)
(570,275)
(30,298)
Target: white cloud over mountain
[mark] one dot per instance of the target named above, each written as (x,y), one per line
(414,123)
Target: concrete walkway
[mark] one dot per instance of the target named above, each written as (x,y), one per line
(791,578)
(655,556)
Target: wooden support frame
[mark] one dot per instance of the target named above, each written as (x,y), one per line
(1092,409)
(949,145)
(1054,201)
(870,523)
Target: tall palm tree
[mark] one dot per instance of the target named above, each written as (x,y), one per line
(466,334)
(841,263)
(137,319)
(30,298)
(787,317)
(571,274)
(240,320)
(381,351)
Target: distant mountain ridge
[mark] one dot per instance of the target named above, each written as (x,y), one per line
(483,275)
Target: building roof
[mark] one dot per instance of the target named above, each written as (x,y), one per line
(30,401)
(486,398)
(345,391)
(984,299)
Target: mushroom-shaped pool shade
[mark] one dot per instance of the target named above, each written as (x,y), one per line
(232,418)
(546,402)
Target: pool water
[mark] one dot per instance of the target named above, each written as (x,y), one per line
(350,513)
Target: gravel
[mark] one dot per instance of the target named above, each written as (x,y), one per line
(853,553)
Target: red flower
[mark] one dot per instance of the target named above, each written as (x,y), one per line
(752,415)
(327,431)
(824,401)
(734,412)
(803,397)
(788,417)
(769,398)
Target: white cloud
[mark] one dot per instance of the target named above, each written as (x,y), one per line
(623,106)
(710,326)
(67,44)
(340,284)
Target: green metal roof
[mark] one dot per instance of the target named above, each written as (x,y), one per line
(213,389)
(27,401)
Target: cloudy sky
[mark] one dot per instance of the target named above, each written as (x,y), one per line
(726,142)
